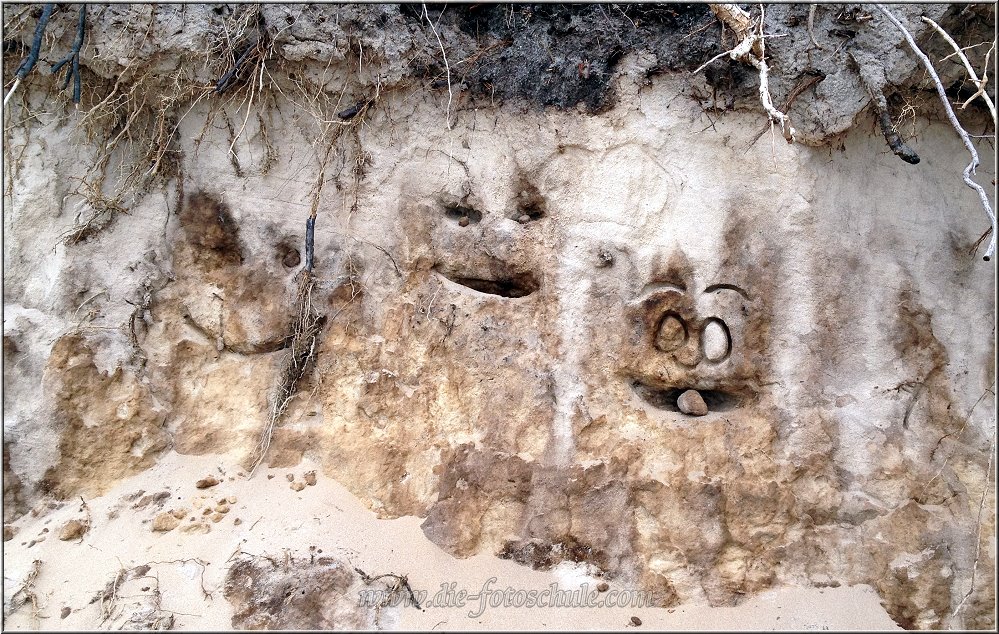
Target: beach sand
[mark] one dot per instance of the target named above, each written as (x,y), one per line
(183,587)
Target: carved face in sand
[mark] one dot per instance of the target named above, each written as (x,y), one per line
(568,312)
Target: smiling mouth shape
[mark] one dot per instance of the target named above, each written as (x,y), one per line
(665,397)
(504,283)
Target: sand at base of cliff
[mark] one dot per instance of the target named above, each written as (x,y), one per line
(267,516)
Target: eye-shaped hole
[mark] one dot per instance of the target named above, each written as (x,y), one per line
(672,333)
(716,341)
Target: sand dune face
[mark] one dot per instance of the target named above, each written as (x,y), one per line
(511,307)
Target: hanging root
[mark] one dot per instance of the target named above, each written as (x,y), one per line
(73,57)
(36,46)
(751,50)
(979,83)
(26,593)
(304,342)
(875,88)
(973,165)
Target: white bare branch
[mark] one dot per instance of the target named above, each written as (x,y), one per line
(979,83)
(973,165)
(751,50)
(447,67)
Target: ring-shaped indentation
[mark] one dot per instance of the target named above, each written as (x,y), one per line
(671,333)
(716,340)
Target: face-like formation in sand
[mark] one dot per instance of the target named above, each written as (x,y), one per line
(553,320)
(560,338)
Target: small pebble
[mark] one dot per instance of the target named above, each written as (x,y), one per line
(165,522)
(208,482)
(297,486)
(64,613)
(8,532)
(524,219)
(603,586)
(73,529)
(290,477)
(636,621)
(237,522)
(691,403)
(310,478)
(463,221)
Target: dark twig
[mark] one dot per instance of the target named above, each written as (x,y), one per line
(74,57)
(36,43)
(230,77)
(353,111)
(310,236)
(895,142)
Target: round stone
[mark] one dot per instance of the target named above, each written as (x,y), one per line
(691,403)
(715,340)
(672,333)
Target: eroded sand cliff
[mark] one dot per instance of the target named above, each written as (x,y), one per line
(509,301)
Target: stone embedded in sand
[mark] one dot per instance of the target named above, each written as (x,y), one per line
(691,403)
(297,486)
(73,529)
(524,219)
(310,478)
(290,477)
(165,522)
(198,528)
(603,586)
(65,612)
(8,532)
(636,621)
(180,513)
(463,221)
(208,482)
(217,517)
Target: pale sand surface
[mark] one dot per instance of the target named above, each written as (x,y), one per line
(274,519)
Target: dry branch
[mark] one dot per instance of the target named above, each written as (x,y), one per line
(73,57)
(875,88)
(447,67)
(979,83)
(36,45)
(751,50)
(975,162)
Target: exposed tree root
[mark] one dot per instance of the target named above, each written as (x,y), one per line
(751,50)
(26,592)
(304,343)
(975,162)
